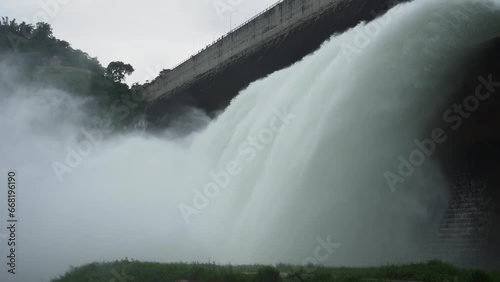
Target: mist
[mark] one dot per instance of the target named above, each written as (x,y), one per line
(297,158)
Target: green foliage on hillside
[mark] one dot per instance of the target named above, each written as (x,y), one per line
(118,70)
(125,270)
(268,274)
(51,62)
(148,271)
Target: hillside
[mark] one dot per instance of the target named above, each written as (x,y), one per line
(126,270)
(45,60)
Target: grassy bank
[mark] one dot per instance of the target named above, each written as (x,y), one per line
(158,272)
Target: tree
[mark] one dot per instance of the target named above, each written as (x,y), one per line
(118,70)
(268,274)
(44,31)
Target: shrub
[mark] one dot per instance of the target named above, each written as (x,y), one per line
(268,274)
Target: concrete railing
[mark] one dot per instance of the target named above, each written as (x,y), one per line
(273,22)
(230,31)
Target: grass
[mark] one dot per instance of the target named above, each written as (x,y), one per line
(125,270)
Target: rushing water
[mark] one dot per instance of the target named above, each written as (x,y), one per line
(298,159)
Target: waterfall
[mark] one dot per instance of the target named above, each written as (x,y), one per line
(301,167)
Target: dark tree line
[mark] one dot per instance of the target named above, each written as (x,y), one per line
(44,58)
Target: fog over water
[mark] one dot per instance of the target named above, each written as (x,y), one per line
(298,158)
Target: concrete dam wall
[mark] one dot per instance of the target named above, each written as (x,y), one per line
(468,231)
(273,23)
(274,39)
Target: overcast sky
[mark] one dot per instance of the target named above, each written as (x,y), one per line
(149,34)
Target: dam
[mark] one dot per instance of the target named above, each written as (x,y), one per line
(272,40)
(467,232)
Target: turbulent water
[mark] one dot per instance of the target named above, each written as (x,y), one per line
(294,170)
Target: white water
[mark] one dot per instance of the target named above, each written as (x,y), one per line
(320,176)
